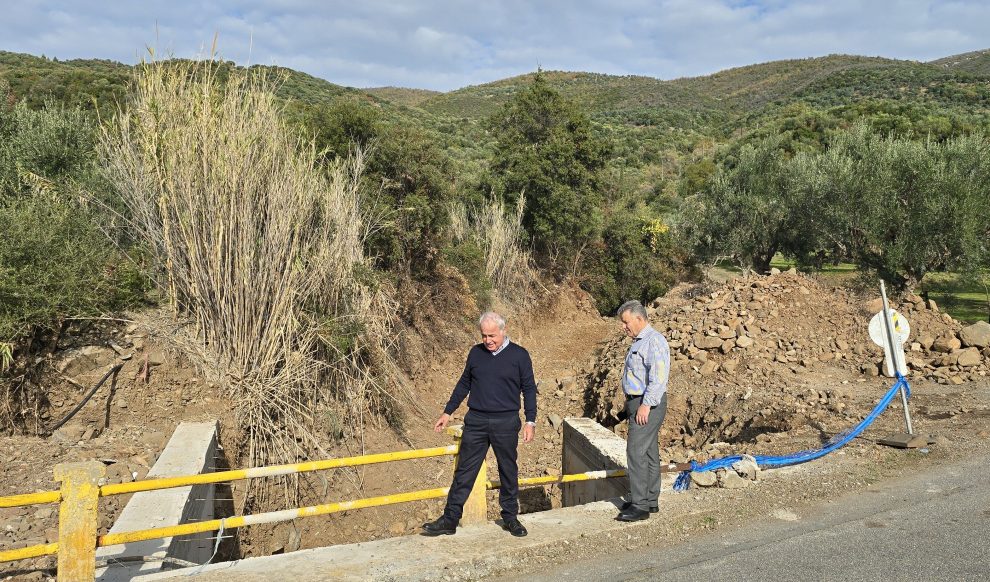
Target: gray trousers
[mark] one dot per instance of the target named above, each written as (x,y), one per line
(643,454)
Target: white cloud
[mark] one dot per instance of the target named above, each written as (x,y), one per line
(450,44)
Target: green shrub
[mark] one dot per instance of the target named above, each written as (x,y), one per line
(546,151)
(55,143)
(406,182)
(636,259)
(469,258)
(55,262)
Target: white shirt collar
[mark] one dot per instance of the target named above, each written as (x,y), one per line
(501,347)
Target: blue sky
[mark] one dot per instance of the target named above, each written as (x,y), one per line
(447,45)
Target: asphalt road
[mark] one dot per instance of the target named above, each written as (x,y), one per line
(928,526)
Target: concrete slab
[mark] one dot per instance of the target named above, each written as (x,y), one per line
(903,440)
(481,549)
(589,446)
(191,450)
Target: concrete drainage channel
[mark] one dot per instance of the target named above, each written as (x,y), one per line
(590,507)
(191,450)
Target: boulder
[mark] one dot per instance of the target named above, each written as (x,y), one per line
(732,480)
(704,478)
(976,335)
(747,468)
(969,357)
(707,342)
(744,341)
(82,360)
(69,434)
(708,368)
(946,343)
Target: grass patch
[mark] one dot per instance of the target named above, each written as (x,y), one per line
(965,298)
(784,263)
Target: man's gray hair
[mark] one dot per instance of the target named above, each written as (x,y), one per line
(492,317)
(634,307)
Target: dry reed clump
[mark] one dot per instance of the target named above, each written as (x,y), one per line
(259,249)
(508,265)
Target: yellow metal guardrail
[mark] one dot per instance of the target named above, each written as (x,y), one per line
(80,492)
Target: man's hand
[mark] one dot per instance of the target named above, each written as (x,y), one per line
(642,414)
(441,423)
(529,431)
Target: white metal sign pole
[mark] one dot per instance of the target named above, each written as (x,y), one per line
(889,332)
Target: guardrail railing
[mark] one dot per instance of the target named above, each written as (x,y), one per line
(80,492)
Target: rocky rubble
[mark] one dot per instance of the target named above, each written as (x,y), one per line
(748,358)
(126,455)
(124,426)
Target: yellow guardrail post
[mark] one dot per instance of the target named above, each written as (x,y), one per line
(77,519)
(476,506)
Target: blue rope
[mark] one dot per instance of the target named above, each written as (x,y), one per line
(684,479)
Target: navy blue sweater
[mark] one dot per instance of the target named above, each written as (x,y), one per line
(495,382)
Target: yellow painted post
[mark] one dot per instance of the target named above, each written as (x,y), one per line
(77,519)
(476,507)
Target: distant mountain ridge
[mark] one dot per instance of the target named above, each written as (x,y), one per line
(977,62)
(824,81)
(402,95)
(959,82)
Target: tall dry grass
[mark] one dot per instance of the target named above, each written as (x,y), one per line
(260,251)
(500,235)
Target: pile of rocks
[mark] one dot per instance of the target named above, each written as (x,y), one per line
(737,476)
(749,358)
(955,355)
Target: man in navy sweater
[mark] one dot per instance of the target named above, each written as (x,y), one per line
(496,373)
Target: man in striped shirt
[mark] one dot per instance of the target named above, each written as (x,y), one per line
(644,383)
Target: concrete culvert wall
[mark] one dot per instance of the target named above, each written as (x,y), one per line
(191,450)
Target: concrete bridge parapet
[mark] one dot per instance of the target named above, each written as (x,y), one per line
(589,446)
(192,450)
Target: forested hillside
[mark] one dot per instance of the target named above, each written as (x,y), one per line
(641,160)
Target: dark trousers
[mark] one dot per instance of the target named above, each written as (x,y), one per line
(500,431)
(643,454)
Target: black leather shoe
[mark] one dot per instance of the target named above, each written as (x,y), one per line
(629,504)
(515,528)
(633,514)
(443,526)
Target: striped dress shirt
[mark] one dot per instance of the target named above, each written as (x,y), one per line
(647,367)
